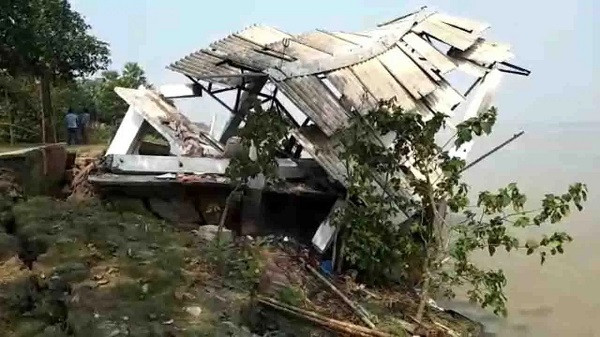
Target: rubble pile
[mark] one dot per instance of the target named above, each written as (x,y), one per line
(85,164)
(290,278)
(185,137)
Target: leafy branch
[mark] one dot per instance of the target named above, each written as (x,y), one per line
(386,246)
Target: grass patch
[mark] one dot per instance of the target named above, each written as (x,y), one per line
(100,272)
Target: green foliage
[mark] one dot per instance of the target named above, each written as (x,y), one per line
(102,133)
(477,126)
(109,106)
(48,36)
(20,103)
(378,237)
(241,265)
(19,108)
(291,295)
(264,130)
(96,271)
(98,95)
(43,41)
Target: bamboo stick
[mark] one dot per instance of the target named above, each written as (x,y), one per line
(360,311)
(340,326)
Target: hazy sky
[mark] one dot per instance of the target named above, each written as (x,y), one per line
(558,40)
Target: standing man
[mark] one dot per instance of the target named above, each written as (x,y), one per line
(72,127)
(84,122)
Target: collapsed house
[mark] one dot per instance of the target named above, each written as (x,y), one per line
(325,77)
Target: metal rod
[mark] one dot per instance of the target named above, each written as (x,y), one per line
(218,91)
(511,139)
(275,91)
(477,81)
(260,94)
(517,72)
(400,17)
(211,94)
(285,112)
(524,71)
(208,77)
(237,100)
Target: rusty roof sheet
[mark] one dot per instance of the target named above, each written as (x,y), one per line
(400,60)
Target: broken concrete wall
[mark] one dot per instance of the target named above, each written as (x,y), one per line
(39,170)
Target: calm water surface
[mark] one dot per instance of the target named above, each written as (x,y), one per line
(561,298)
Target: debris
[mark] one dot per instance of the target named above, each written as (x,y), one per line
(339,326)
(326,231)
(210,232)
(360,311)
(167,176)
(85,164)
(449,331)
(175,211)
(195,311)
(102,282)
(392,60)
(184,137)
(9,185)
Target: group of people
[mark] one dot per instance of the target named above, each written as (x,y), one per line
(77,126)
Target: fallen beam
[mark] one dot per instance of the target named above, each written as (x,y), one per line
(170,180)
(140,164)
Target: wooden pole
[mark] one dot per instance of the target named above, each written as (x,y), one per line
(45,97)
(360,311)
(42,111)
(11,118)
(510,140)
(329,323)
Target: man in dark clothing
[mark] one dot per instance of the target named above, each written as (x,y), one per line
(84,121)
(72,127)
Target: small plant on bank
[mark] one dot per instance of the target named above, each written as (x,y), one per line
(261,138)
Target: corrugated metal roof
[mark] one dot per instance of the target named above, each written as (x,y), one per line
(399,60)
(321,148)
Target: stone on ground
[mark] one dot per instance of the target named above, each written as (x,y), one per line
(209,233)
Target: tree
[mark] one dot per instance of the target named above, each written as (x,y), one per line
(386,232)
(50,41)
(109,105)
(19,106)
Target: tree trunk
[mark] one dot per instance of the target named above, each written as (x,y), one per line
(11,128)
(11,119)
(425,289)
(42,112)
(433,245)
(47,110)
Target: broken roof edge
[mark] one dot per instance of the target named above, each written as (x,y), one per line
(252,36)
(402,17)
(184,137)
(243,34)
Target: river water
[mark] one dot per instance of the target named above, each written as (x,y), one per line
(562,297)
